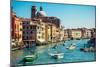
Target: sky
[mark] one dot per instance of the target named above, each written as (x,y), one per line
(71,15)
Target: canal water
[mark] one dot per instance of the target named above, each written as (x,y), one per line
(44,57)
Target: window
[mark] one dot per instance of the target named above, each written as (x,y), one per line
(39,32)
(39,37)
(48,27)
(42,33)
(23,23)
(21,29)
(37,27)
(30,37)
(24,37)
(27,37)
(20,36)
(33,27)
(27,32)
(30,27)
(42,24)
(31,32)
(20,23)
(42,29)
(23,32)
(27,27)
(27,23)
(42,36)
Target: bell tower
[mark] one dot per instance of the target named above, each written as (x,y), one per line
(33,12)
(41,9)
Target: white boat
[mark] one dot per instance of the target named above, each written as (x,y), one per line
(71,47)
(57,55)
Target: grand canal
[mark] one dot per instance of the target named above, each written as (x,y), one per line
(43,58)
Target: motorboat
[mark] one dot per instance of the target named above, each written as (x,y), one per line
(57,55)
(29,58)
(71,47)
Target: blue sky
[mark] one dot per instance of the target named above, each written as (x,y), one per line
(71,16)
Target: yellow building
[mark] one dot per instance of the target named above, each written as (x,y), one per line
(41,35)
(48,31)
(46,26)
(58,34)
(53,31)
(76,34)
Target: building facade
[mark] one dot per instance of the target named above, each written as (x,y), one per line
(76,34)
(65,34)
(16,29)
(46,26)
(29,32)
(73,33)
(42,29)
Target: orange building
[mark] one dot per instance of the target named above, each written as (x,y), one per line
(16,29)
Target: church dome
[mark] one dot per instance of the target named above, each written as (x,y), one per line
(41,13)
